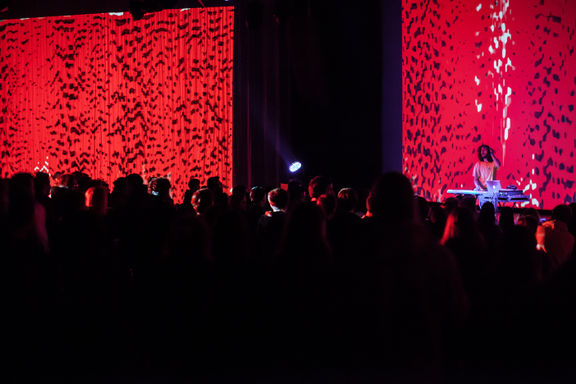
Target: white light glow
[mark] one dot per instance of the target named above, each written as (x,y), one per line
(295,166)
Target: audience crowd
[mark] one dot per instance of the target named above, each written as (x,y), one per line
(302,283)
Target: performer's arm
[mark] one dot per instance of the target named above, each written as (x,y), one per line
(476,175)
(496,161)
(479,184)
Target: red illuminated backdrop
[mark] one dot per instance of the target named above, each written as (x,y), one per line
(110,96)
(496,72)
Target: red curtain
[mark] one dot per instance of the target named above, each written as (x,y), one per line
(110,96)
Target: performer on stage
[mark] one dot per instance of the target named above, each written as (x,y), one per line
(485,168)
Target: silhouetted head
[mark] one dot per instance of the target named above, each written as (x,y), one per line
(135,184)
(22,184)
(437,214)
(213,183)
(82,179)
(239,191)
(278,199)
(347,200)
(194,184)
(296,192)
(562,212)
(487,216)
(506,218)
(238,197)
(134,179)
(96,199)
(202,200)
(531,212)
(468,202)
(484,153)
(530,222)
(257,195)
(42,185)
(319,185)
(69,181)
(450,203)
(391,198)
(162,187)
(460,225)
(120,186)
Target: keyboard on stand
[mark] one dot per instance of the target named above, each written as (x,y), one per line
(508,195)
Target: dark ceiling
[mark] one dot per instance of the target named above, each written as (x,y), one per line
(38,8)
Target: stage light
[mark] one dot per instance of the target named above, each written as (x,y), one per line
(295,167)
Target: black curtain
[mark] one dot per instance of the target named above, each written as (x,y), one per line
(261,93)
(308,87)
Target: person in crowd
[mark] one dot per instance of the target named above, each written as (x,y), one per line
(83,180)
(220,197)
(202,201)
(193,186)
(344,226)
(328,204)
(464,239)
(65,196)
(4,201)
(136,187)
(271,224)
(438,217)
(554,238)
(296,193)
(304,239)
(5,226)
(27,217)
(506,220)
(256,207)
(238,198)
(87,232)
(491,232)
(232,236)
(423,210)
(572,225)
(319,185)
(160,189)
(347,201)
(97,200)
(187,244)
(521,266)
(120,194)
(42,188)
(405,272)
(529,218)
